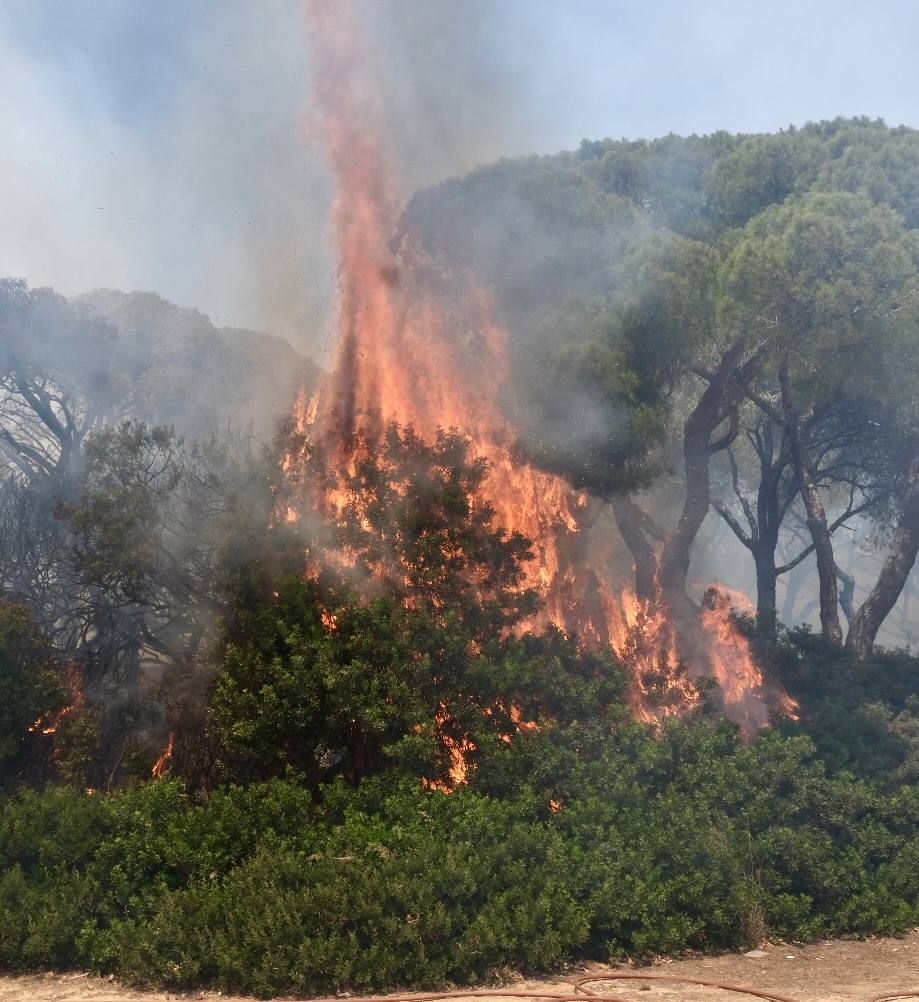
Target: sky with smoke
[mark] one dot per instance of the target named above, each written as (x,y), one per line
(167,146)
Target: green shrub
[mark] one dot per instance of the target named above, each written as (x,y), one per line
(31,691)
(862,716)
(585,840)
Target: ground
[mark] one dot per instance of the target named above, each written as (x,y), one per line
(837,971)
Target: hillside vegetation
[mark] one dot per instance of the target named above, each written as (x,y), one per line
(186,372)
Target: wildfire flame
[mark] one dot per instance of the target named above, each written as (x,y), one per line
(458,751)
(50,722)
(420,347)
(162,763)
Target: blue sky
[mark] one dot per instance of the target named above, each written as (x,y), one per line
(161,145)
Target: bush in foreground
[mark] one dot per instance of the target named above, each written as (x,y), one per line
(586,841)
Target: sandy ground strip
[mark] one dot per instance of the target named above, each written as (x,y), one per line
(837,971)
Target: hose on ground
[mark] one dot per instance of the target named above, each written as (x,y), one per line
(670,979)
(580,991)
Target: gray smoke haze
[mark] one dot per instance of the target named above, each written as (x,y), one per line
(163,146)
(167,147)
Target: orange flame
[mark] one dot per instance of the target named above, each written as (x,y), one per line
(50,724)
(458,751)
(643,639)
(419,346)
(162,763)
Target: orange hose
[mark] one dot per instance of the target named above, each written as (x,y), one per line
(724,986)
(481,993)
(577,996)
(580,991)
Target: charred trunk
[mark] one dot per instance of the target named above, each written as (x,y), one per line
(761,536)
(632,524)
(771,505)
(677,551)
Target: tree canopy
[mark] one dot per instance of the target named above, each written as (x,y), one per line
(729,261)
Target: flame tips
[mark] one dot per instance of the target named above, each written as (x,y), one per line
(419,346)
(161,765)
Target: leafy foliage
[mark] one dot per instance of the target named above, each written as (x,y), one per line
(31,687)
(585,840)
(827,276)
(867,721)
(404,653)
(327,679)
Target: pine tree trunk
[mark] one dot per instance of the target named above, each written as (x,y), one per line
(629,522)
(765,536)
(816,516)
(766,578)
(673,568)
(883,597)
(721,397)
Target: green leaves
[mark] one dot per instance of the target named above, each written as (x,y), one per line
(31,688)
(830,281)
(595,400)
(655,843)
(404,660)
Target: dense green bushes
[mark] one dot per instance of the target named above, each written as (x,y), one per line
(589,840)
(405,656)
(862,716)
(29,687)
(328,860)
